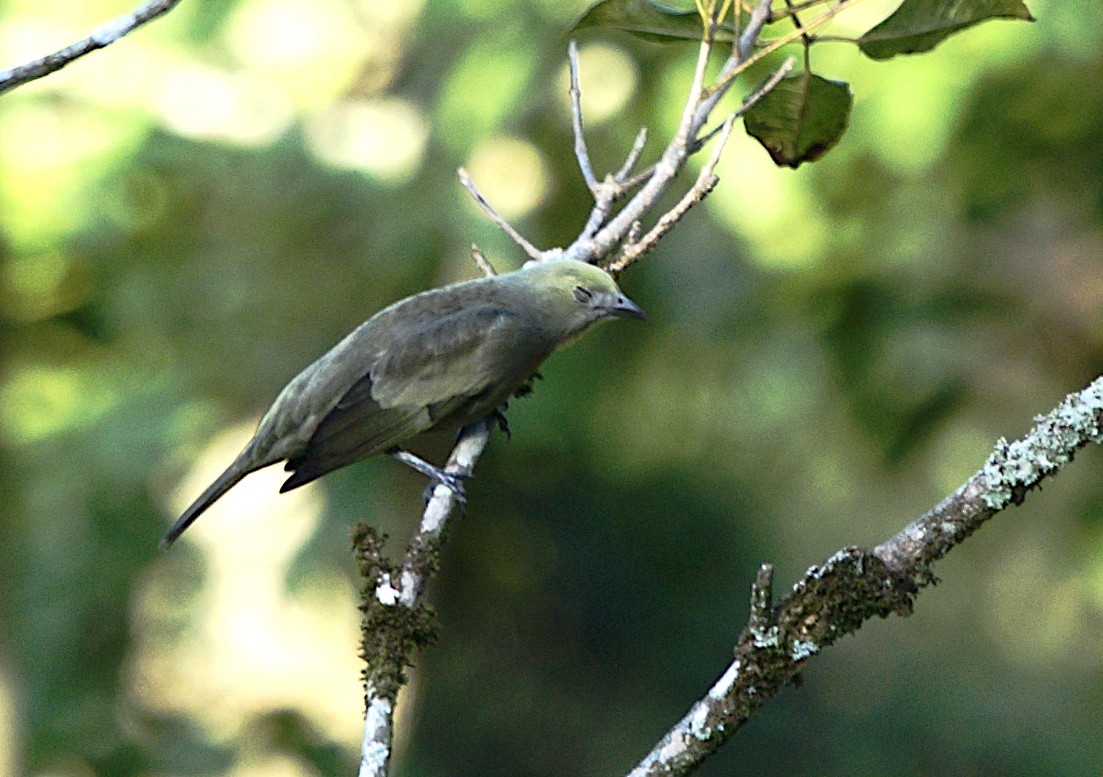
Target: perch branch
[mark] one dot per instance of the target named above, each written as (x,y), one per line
(396,620)
(102,36)
(835,598)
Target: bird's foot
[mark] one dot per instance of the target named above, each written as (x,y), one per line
(453,481)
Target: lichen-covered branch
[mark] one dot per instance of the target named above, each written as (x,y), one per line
(102,36)
(396,621)
(835,598)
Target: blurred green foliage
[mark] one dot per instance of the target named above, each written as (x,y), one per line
(189,217)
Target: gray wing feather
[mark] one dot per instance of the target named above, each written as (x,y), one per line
(421,377)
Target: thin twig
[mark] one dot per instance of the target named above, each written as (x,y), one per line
(775,78)
(633,156)
(616,186)
(102,36)
(580,151)
(737,19)
(760,17)
(696,91)
(504,225)
(608,191)
(482,262)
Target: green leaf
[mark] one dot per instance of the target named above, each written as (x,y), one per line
(801,118)
(649,19)
(920,25)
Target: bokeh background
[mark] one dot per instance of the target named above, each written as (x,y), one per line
(191,216)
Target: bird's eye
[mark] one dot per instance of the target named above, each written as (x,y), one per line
(582,294)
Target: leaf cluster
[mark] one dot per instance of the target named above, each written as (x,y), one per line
(806,114)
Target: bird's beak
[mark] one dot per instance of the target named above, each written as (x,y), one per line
(620,305)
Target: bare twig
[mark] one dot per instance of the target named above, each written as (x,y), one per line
(775,78)
(504,225)
(607,192)
(633,156)
(580,151)
(835,598)
(482,262)
(102,36)
(760,17)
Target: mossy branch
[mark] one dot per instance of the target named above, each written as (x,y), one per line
(854,585)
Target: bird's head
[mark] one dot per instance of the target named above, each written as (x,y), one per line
(573,295)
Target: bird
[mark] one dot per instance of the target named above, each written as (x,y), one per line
(443,358)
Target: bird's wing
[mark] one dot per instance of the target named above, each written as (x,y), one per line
(462,355)
(351,432)
(459,364)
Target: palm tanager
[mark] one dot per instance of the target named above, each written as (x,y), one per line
(443,358)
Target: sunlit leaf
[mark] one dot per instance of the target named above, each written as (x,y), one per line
(920,25)
(801,119)
(655,21)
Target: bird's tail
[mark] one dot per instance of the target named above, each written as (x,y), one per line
(227,480)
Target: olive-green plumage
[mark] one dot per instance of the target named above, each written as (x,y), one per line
(442,358)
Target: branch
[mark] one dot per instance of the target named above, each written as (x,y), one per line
(102,36)
(837,597)
(397,622)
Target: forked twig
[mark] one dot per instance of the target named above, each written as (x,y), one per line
(633,156)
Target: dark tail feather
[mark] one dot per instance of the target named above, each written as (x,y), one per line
(227,480)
